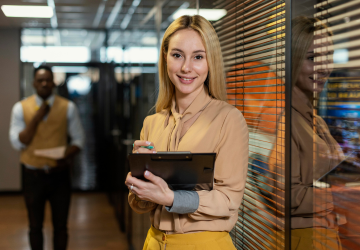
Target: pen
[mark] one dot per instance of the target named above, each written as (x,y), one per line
(148,147)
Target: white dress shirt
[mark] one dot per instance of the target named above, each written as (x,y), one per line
(74,127)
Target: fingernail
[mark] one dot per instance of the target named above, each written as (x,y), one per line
(154,152)
(146,173)
(148,143)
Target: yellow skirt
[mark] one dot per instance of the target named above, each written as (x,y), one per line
(157,240)
(315,238)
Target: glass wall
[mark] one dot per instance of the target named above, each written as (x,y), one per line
(301,106)
(325,135)
(252,39)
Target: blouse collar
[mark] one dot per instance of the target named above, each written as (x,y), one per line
(198,104)
(302,104)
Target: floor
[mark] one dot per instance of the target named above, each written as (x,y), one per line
(92,224)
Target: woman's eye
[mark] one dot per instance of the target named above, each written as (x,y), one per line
(176,55)
(198,57)
(311,58)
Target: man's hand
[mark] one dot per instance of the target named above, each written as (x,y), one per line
(69,156)
(28,133)
(42,112)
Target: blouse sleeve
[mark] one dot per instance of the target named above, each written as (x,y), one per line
(230,171)
(302,194)
(140,206)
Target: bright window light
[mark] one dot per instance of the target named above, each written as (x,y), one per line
(209,14)
(27,11)
(74,54)
(149,40)
(141,55)
(341,56)
(132,55)
(38,39)
(69,69)
(114,54)
(137,70)
(79,85)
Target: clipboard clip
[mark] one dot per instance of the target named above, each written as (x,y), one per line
(165,156)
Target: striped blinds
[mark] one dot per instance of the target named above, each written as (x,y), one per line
(252,37)
(339,105)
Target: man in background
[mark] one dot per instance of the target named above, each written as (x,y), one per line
(40,122)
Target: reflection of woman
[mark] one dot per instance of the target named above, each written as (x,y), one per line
(313,150)
(192,115)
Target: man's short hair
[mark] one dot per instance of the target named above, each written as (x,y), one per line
(45,67)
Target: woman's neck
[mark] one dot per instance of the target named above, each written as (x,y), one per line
(304,94)
(183,101)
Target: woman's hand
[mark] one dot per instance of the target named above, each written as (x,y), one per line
(155,190)
(138,147)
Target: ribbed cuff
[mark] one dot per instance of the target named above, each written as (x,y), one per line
(185,202)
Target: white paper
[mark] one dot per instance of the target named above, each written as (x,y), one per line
(52,153)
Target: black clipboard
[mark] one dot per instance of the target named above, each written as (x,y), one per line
(180,170)
(340,173)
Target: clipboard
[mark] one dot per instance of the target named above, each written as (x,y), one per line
(340,173)
(180,170)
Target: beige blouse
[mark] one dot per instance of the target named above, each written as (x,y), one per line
(313,153)
(207,125)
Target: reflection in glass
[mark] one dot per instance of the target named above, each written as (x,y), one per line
(314,150)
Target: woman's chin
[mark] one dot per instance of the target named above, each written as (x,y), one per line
(186,89)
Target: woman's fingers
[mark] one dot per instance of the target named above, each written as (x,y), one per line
(155,190)
(153,178)
(144,147)
(144,151)
(135,182)
(139,143)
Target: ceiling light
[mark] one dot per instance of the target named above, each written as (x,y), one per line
(27,11)
(28,39)
(209,14)
(149,40)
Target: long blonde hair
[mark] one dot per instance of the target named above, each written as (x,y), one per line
(303,29)
(215,80)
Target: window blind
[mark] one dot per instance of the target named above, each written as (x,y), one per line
(339,105)
(252,37)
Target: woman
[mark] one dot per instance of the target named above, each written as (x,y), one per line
(192,115)
(313,150)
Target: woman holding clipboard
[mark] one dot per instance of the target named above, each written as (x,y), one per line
(192,115)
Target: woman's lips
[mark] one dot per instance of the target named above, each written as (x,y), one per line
(186,80)
(319,82)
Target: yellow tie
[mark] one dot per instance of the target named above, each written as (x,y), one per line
(37,107)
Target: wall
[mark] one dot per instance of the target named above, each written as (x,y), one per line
(10,174)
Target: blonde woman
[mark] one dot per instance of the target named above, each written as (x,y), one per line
(192,115)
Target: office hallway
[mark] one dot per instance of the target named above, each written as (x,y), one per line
(92,224)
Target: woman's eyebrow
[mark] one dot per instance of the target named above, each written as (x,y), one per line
(310,52)
(196,51)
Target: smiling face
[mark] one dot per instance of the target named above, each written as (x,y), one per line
(312,80)
(187,66)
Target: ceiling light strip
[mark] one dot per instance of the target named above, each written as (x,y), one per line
(114,13)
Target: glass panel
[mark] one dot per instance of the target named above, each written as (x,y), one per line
(325,135)
(252,39)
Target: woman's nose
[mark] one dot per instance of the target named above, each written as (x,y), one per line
(186,66)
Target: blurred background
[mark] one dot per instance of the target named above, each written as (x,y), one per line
(104,57)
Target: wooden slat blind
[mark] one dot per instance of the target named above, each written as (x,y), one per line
(252,37)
